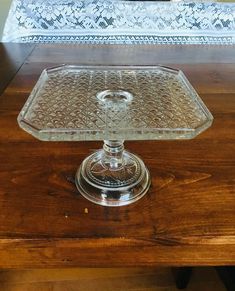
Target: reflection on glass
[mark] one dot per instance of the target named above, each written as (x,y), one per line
(113,103)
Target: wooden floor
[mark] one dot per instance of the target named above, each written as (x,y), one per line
(157,279)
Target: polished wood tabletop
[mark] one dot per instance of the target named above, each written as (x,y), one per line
(186,219)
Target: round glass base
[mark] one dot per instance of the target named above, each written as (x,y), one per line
(112,181)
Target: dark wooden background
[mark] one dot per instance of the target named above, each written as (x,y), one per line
(188,216)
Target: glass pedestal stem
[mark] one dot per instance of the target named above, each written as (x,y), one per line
(112,176)
(113,154)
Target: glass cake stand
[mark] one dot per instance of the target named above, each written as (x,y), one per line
(113,103)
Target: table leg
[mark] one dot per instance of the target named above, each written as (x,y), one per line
(227,276)
(182,276)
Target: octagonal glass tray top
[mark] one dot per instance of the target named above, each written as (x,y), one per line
(113,103)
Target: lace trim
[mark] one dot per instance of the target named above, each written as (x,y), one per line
(111,21)
(129,39)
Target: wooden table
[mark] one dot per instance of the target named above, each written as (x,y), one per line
(186,219)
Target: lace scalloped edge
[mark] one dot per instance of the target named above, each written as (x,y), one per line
(129,39)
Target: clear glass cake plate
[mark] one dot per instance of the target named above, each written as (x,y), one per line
(113,103)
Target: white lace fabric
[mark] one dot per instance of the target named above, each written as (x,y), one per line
(120,22)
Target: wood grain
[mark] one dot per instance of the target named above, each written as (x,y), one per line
(186,219)
(128,279)
(12,56)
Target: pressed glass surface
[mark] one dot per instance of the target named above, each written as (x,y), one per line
(113,176)
(113,103)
